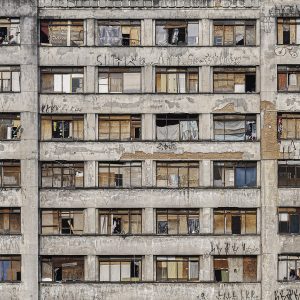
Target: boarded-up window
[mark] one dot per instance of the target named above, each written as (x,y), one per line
(289,78)
(288,31)
(250,269)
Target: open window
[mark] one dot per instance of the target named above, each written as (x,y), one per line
(176,33)
(10,268)
(234,32)
(289,267)
(289,173)
(288,31)
(235,80)
(234,127)
(120,269)
(177,174)
(9,79)
(10,173)
(119,33)
(177,221)
(177,80)
(62,268)
(120,127)
(62,32)
(9,31)
(58,127)
(177,127)
(235,221)
(235,174)
(288,78)
(120,174)
(10,127)
(10,220)
(62,80)
(235,268)
(62,221)
(62,174)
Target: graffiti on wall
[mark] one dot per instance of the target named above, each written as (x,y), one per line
(283,50)
(287,294)
(237,295)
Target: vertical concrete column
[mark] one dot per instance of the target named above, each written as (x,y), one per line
(148,268)
(91,265)
(90,171)
(90,220)
(205,173)
(148,173)
(148,79)
(206,217)
(147,32)
(91,32)
(206,75)
(148,220)
(90,127)
(90,81)
(147,127)
(258,221)
(205,127)
(206,32)
(206,266)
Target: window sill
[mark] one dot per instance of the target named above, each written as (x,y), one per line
(10,234)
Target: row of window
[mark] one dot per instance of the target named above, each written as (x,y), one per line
(167,32)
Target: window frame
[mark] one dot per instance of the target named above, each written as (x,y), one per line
(288,70)
(11,117)
(10,70)
(16,165)
(286,21)
(288,164)
(9,23)
(288,257)
(11,211)
(12,258)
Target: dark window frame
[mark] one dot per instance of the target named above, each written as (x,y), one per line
(10,258)
(16,133)
(11,211)
(286,21)
(15,164)
(289,257)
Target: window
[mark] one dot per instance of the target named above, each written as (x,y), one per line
(289,220)
(9,79)
(177,174)
(120,174)
(177,221)
(177,80)
(235,269)
(120,127)
(177,268)
(9,31)
(234,33)
(116,269)
(289,78)
(177,127)
(288,126)
(119,80)
(62,80)
(289,267)
(119,33)
(289,173)
(10,268)
(235,127)
(235,174)
(62,127)
(235,80)
(62,221)
(10,173)
(62,174)
(10,220)
(176,33)
(62,32)
(10,127)
(235,221)
(120,221)
(62,268)
(288,31)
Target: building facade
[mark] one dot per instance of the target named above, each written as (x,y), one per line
(149,149)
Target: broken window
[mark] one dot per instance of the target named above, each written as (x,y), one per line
(120,127)
(120,174)
(62,174)
(235,80)
(235,268)
(289,267)
(62,221)
(119,33)
(237,174)
(177,221)
(288,31)
(10,268)
(62,268)
(176,32)
(235,127)
(289,173)
(235,221)
(10,127)
(288,126)
(62,32)
(9,79)
(177,174)
(10,173)
(62,80)
(119,80)
(120,221)
(289,220)
(289,78)
(177,268)
(10,220)
(177,127)
(120,269)
(234,32)
(62,127)
(177,80)
(9,31)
